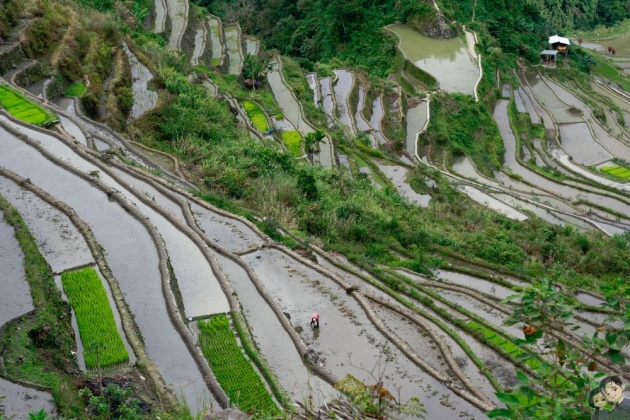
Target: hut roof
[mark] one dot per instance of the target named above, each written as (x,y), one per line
(558,39)
(549,52)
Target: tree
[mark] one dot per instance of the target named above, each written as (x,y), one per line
(254,69)
(563,369)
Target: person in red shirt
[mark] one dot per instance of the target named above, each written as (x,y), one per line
(315,320)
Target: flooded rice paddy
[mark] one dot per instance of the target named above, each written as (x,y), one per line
(144,99)
(345,82)
(200,43)
(216,38)
(178,16)
(233,47)
(328,101)
(398,176)
(579,143)
(446,60)
(132,257)
(416,119)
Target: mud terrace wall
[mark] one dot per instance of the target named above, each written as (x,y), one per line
(10,57)
(29,75)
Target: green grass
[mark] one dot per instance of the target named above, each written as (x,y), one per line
(75,89)
(95,318)
(21,108)
(23,360)
(618,171)
(256,115)
(608,71)
(233,370)
(293,139)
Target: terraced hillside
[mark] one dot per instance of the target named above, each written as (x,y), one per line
(192,285)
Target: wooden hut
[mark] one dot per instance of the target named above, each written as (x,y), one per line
(549,57)
(560,44)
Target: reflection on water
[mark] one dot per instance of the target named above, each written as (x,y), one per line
(447,60)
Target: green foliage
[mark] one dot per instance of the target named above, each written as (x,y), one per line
(95,318)
(115,403)
(465,127)
(254,67)
(22,358)
(322,30)
(564,372)
(75,89)
(23,109)
(256,115)
(234,372)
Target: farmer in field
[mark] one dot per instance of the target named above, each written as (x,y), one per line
(315,320)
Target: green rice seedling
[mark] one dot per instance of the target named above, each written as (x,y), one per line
(21,108)
(256,115)
(293,139)
(618,171)
(234,372)
(97,326)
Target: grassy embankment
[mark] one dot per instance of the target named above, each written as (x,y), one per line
(233,371)
(75,89)
(101,341)
(36,347)
(23,109)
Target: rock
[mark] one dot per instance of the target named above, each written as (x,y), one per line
(312,357)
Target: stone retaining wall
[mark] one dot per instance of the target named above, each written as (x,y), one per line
(11,58)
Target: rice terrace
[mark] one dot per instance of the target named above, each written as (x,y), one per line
(388,209)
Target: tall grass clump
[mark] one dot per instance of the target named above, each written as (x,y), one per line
(97,326)
(234,372)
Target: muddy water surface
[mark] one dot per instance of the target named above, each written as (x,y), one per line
(398,176)
(491,202)
(342,89)
(216,38)
(228,233)
(57,238)
(275,344)
(132,257)
(72,129)
(19,401)
(160,16)
(446,60)
(233,45)
(144,99)
(178,15)
(416,118)
(579,143)
(548,98)
(15,299)
(348,343)
(476,283)
(362,125)
(313,83)
(252,46)
(377,117)
(328,102)
(200,43)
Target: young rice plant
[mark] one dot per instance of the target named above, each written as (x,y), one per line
(234,372)
(97,326)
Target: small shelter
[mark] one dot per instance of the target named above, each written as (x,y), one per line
(559,44)
(549,57)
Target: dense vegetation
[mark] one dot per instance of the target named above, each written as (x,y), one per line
(101,341)
(323,30)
